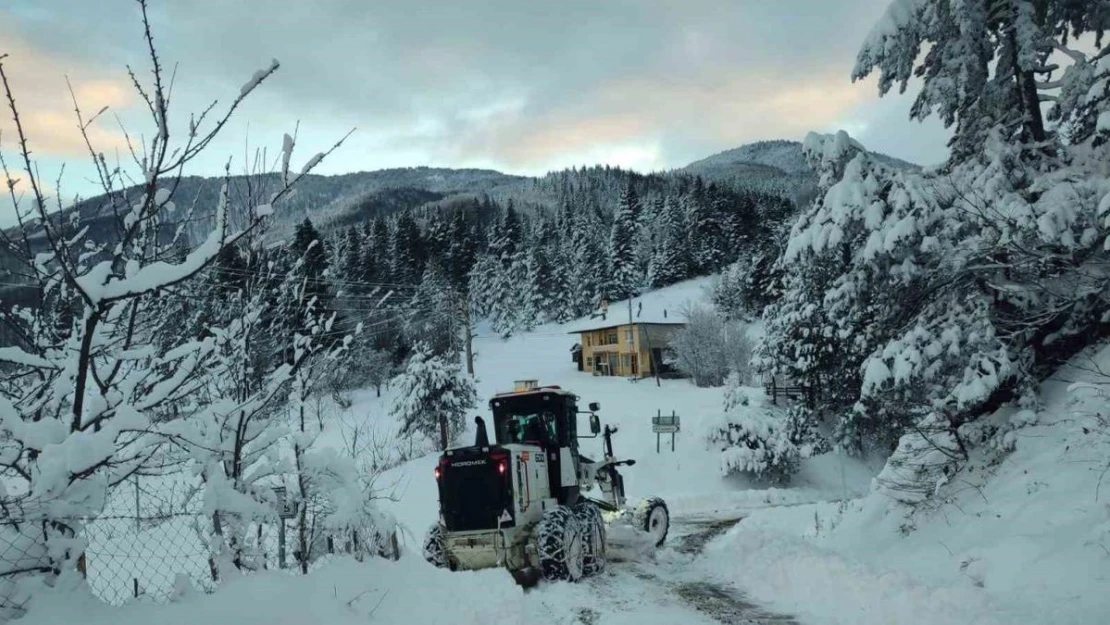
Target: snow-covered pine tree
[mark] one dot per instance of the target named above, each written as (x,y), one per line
(754,439)
(351,271)
(376,267)
(669,260)
(987,64)
(694,218)
(430,388)
(483,283)
(434,317)
(506,236)
(710,230)
(406,251)
(624,239)
(313,273)
(760,284)
(462,252)
(589,266)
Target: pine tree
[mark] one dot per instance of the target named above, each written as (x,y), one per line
(352,261)
(669,261)
(483,282)
(505,237)
(430,388)
(371,271)
(623,239)
(434,313)
(589,266)
(694,209)
(708,230)
(406,251)
(462,252)
(376,268)
(314,299)
(986,66)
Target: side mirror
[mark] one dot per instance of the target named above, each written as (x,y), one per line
(594,406)
(595,424)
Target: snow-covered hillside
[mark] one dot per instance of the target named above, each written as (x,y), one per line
(1019,537)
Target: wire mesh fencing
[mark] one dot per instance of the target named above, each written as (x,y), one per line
(151,542)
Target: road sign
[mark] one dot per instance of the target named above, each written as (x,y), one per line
(287,509)
(665,424)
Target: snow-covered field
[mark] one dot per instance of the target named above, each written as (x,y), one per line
(1018,539)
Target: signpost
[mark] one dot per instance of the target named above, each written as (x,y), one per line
(661,424)
(286,510)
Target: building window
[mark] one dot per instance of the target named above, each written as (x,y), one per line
(628,335)
(626,362)
(588,339)
(589,362)
(611,338)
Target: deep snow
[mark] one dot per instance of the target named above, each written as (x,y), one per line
(1015,538)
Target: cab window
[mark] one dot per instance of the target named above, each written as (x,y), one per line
(527,428)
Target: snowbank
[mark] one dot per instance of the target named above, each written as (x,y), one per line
(819,586)
(340,593)
(1017,538)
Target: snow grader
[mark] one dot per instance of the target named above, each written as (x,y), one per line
(521,502)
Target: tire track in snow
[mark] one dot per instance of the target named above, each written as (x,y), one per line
(718,601)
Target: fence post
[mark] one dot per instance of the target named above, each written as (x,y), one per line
(281,543)
(137,515)
(135,581)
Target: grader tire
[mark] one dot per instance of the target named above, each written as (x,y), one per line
(653,517)
(561,545)
(435,548)
(593,527)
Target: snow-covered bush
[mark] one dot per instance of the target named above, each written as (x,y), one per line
(708,348)
(342,516)
(925,459)
(756,440)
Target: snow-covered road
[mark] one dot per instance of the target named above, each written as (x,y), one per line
(671,587)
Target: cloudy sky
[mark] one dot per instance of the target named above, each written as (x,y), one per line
(523,86)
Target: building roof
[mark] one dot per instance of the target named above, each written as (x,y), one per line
(616,318)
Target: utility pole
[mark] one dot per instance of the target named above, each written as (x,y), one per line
(632,333)
(640,327)
(651,355)
(469,338)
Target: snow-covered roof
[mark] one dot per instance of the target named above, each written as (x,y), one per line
(616,317)
(665,306)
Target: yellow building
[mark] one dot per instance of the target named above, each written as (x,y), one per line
(626,349)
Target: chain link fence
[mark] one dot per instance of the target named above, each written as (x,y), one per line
(150,542)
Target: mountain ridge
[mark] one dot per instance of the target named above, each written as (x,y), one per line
(775,167)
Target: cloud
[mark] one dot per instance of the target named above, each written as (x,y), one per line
(521,86)
(38,80)
(638,120)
